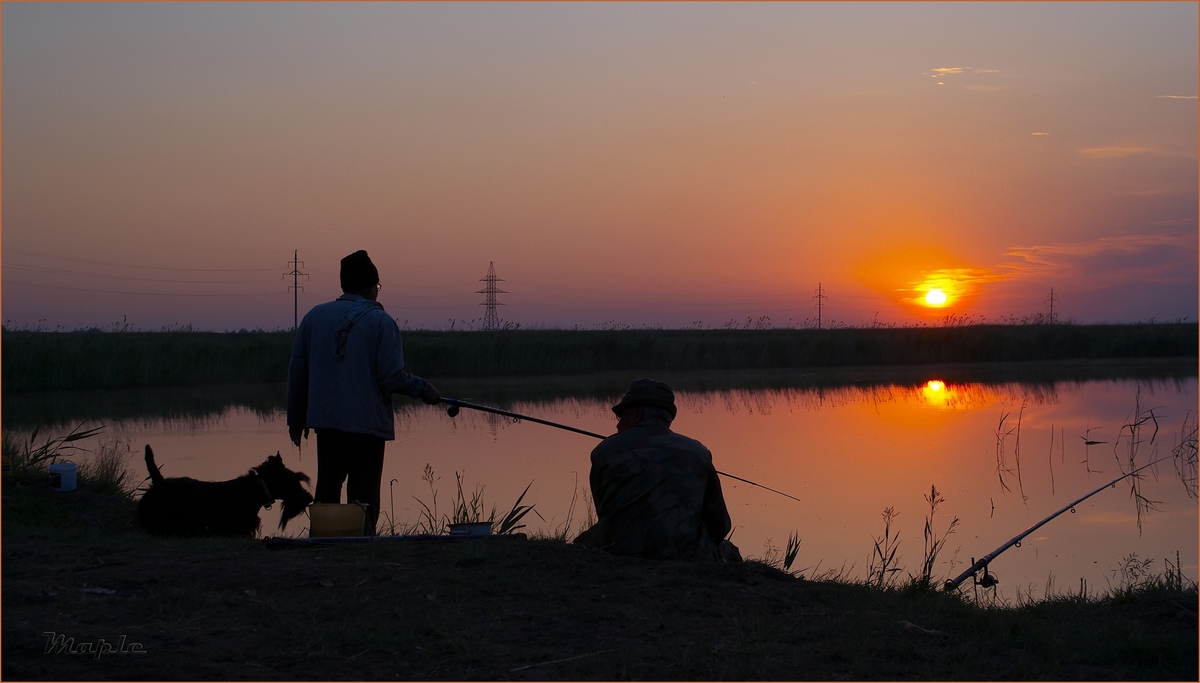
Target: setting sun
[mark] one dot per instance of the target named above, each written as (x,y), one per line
(935,297)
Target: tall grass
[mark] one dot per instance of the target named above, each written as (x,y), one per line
(30,458)
(103,472)
(881,573)
(467,507)
(47,361)
(933,542)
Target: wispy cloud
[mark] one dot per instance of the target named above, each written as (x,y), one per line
(1178,97)
(1123,151)
(944,73)
(955,282)
(1112,261)
(956,70)
(1156,256)
(1039,134)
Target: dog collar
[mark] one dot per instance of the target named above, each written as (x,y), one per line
(267,497)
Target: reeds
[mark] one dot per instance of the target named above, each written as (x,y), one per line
(104,472)
(933,542)
(467,507)
(31,458)
(47,361)
(882,570)
(1136,424)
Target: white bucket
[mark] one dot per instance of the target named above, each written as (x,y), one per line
(62,476)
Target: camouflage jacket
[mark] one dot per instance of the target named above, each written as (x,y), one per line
(657,495)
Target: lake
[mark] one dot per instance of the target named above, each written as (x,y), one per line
(1002,452)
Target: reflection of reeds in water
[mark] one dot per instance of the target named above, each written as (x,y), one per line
(1002,466)
(1138,421)
(1185,454)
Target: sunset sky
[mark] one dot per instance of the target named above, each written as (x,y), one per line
(673,164)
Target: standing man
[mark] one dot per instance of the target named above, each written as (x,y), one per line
(347,361)
(657,493)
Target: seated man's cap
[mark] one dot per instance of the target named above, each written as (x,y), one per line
(358,273)
(647,392)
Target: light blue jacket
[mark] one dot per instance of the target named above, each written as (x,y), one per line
(347,361)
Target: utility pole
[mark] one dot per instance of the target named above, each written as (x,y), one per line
(296,264)
(820,296)
(1051,305)
(490,320)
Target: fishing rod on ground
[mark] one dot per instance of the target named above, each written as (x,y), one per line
(455,404)
(989,580)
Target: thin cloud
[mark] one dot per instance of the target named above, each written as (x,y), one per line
(1039,134)
(1117,258)
(1112,261)
(1178,97)
(958,72)
(1123,151)
(955,282)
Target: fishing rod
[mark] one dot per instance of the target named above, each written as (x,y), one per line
(455,404)
(988,580)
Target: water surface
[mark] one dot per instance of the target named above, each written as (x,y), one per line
(1003,454)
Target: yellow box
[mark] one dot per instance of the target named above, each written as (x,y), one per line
(327,520)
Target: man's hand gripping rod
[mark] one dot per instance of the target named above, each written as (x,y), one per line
(456,404)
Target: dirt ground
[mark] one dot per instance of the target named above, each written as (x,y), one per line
(87,596)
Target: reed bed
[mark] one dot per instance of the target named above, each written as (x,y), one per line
(92,359)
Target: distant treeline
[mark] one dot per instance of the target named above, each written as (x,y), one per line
(53,361)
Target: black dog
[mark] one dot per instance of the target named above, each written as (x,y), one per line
(181,506)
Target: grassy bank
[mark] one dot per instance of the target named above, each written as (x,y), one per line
(77,575)
(51,361)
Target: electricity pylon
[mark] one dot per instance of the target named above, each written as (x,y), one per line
(491,321)
(296,264)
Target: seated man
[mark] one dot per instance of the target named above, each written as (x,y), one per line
(656,492)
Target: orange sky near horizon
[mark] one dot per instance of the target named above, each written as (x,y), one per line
(641,164)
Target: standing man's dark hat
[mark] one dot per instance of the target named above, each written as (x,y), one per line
(358,273)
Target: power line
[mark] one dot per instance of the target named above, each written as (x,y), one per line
(113,291)
(75,273)
(55,257)
(140,243)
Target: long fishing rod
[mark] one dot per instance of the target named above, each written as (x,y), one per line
(456,404)
(988,580)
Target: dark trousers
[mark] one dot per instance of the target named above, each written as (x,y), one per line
(357,460)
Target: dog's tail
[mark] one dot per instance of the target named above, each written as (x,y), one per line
(155,476)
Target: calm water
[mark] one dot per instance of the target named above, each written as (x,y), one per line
(1003,456)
